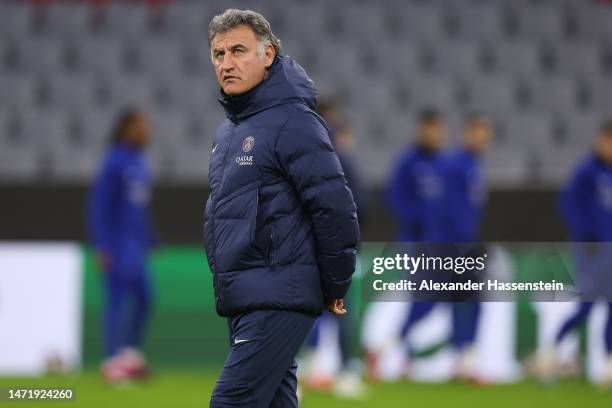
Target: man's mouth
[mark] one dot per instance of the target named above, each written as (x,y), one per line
(229,78)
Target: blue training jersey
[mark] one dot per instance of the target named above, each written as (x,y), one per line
(466,196)
(119,219)
(415,195)
(586,202)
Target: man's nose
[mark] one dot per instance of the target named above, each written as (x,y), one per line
(228,63)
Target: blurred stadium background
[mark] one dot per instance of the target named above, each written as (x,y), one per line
(541,69)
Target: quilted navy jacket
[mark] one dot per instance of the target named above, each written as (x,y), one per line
(281,228)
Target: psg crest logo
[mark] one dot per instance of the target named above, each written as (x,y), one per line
(248,144)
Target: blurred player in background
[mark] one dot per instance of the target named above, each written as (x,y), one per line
(466,194)
(122,236)
(465,183)
(586,206)
(416,190)
(416,198)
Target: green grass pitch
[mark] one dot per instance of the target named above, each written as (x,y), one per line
(190,388)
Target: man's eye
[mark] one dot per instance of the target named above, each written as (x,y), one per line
(238,51)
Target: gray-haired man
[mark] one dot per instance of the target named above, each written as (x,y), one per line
(281,226)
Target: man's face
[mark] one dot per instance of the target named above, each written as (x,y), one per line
(138,131)
(344,139)
(603,146)
(477,135)
(238,64)
(432,134)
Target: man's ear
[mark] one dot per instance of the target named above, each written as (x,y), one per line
(269,56)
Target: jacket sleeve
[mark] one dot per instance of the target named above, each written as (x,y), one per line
(574,205)
(309,161)
(101,206)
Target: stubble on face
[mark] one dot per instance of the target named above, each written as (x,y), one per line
(238,65)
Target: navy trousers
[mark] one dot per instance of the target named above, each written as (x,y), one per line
(260,369)
(127,309)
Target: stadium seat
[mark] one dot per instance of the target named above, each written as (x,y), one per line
(600,95)
(11,133)
(19,164)
(202,127)
(579,129)
(126,20)
(343,57)
(191,156)
(5,50)
(138,91)
(593,21)
(15,20)
(191,165)
(493,94)
(67,20)
(400,128)
(458,57)
(194,94)
(484,21)
(318,24)
(72,92)
(161,59)
(169,128)
(545,21)
(436,92)
(556,165)
(555,94)
(101,56)
(185,20)
(578,59)
(78,156)
(93,127)
(41,55)
(376,128)
(74,163)
(306,54)
(531,130)
(508,166)
(19,92)
(373,92)
(50,129)
(423,21)
(337,88)
(378,163)
(519,58)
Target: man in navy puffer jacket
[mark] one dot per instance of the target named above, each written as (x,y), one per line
(281,227)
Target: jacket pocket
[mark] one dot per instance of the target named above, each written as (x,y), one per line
(235,230)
